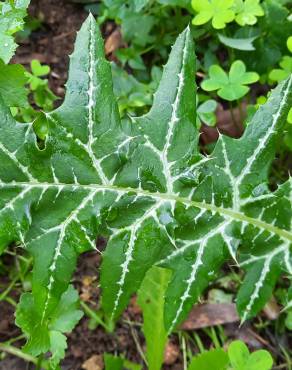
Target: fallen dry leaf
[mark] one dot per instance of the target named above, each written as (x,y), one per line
(171,353)
(225,125)
(133,307)
(272,309)
(204,315)
(95,362)
(113,41)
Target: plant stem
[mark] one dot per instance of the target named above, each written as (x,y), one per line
(4,294)
(233,118)
(93,315)
(240,111)
(11,301)
(39,362)
(199,343)
(139,348)
(184,352)
(9,342)
(18,353)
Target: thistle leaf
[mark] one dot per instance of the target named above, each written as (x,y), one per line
(146,188)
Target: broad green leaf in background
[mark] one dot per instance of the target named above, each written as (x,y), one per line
(11,21)
(140,4)
(238,43)
(151,299)
(216,359)
(136,27)
(13,82)
(247,11)
(219,11)
(146,187)
(230,86)
(182,3)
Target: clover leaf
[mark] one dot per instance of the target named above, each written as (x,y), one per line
(230,86)
(215,359)
(247,11)
(241,359)
(220,11)
(279,74)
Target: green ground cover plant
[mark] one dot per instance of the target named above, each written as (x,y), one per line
(236,358)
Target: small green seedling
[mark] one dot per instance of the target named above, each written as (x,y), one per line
(206,113)
(42,95)
(230,86)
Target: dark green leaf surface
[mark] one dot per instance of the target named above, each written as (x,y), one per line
(146,187)
(12,14)
(13,85)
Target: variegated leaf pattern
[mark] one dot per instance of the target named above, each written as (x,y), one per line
(146,187)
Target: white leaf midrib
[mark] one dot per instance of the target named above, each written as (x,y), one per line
(227,212)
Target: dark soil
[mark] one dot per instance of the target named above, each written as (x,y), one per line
(54,41)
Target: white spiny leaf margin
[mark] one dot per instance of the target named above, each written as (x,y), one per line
(261,146)
(166,165)
(164,153)
(13,157)
(160,199)
(130,249)
(268,258)
(92,102)
(62,234)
